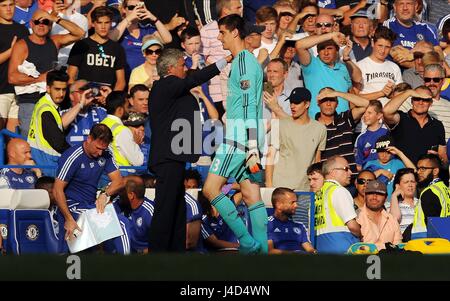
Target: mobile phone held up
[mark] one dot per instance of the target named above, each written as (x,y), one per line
(268,87)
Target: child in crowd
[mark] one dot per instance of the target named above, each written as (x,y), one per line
(386,166)
(365,143)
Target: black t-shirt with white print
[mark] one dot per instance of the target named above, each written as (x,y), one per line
(97,62)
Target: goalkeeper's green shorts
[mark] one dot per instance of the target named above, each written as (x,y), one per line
(229,161)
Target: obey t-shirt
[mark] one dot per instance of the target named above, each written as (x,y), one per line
(97,62)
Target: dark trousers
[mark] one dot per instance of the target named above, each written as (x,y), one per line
(168,229)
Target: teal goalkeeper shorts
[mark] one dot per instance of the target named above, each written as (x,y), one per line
(229,161)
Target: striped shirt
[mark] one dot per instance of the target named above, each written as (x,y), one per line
(213,51)
(407,213)
(340,139)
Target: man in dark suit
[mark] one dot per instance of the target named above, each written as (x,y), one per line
(173,111)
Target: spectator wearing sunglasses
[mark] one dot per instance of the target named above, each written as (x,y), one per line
(335,218)
(97,58)
(147,73)
(137,22)
(361,180)
(42,50)
(434,78)
(415,125)
(11,32)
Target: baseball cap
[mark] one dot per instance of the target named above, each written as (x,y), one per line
(383,143)
(135,119)
(299,94)
(360,14)
(150,43)
(252,28)
(376,186)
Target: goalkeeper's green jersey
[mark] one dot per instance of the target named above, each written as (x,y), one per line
(244,101)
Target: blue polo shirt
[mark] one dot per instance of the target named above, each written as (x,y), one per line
(409,36)
(318,75)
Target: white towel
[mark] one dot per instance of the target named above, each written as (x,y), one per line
(30,70)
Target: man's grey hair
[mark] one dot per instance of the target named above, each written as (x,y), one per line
(329,165)
(169,57)
(434,67)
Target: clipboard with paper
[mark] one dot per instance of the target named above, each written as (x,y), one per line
(96,228)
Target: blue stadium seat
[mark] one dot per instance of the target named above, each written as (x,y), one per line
(31,231)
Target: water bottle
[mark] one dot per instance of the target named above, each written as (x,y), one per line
(201,63)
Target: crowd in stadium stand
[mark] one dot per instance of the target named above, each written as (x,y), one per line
(355,104)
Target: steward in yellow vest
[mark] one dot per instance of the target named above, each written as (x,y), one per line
(125,150)
(46,132)
(434,200)
(335,224)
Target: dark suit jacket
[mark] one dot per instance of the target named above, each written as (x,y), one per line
(169,101)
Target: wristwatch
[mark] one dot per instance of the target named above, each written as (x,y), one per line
(58,20)
(103,190)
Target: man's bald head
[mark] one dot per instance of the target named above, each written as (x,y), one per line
(39,13)
(18,151)
(324,18)
(327,22)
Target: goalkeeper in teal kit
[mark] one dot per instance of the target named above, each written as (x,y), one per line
(238,155)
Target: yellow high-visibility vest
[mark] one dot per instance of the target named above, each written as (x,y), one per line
(116,128)
(326,218)
(35,135)
(443,193)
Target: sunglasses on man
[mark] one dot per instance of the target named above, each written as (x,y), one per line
(433,79)
(43,22)
(421,99)
(324,24)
